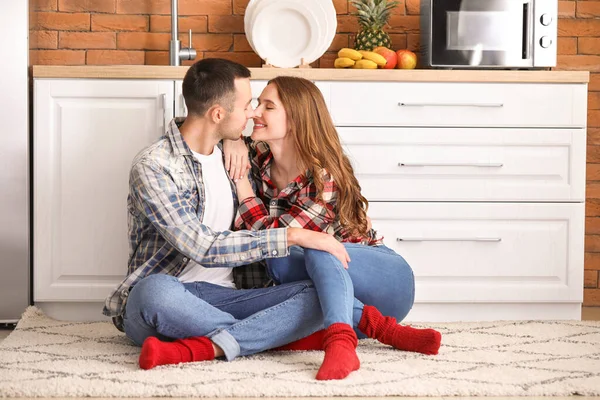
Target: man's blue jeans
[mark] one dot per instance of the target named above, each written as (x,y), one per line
(241,322)
(376,276)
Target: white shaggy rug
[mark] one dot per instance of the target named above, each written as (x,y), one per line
(49,358)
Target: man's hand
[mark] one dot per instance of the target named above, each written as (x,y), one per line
(318,241)
(236,158)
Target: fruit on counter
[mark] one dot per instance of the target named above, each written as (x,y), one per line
(372,15)
(343,62)
(365,64)
(406,59)
(390,56)
(349,53)
(376,58)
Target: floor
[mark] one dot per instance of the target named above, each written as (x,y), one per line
(587,314)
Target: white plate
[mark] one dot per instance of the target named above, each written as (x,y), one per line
(249,18)
(329,21)
(285,31)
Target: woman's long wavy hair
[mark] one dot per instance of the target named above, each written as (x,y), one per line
(318,147)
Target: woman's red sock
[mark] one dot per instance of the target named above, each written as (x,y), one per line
(340,343)
(155,352)
(387,331)
(311,342)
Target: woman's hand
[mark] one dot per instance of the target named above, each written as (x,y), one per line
(236,158)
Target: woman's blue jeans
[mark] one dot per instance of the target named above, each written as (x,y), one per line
(376,276)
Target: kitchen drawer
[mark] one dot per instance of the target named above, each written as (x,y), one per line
(488,252)
(468,164)
(458,104)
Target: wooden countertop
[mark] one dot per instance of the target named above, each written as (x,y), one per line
(321,74)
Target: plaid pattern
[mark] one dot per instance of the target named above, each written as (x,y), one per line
(165,208)
(296,205)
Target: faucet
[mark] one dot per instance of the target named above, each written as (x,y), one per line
(176,53)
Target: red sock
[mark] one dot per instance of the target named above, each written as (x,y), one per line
(311,342)
(154,352)
(340,343)
(387,331)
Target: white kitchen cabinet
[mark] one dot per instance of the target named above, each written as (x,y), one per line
(86,133)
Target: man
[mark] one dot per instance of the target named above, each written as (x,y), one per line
(181,206)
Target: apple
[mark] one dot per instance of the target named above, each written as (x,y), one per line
(406,59)
(390,56)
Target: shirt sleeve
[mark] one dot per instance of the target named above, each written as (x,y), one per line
(307,212)
(169,210)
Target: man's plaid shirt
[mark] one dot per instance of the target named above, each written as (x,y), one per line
(165,210)
(296,205)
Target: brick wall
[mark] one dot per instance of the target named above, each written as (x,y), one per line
(77,32)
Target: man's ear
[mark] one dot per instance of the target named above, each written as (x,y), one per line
(216,113)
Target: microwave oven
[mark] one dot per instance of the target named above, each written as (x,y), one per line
(501,34)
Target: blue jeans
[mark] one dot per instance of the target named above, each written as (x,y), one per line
(241,322)
(378,277)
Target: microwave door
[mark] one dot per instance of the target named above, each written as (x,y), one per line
(481,33)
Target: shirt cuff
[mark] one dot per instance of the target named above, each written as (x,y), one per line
(274,242)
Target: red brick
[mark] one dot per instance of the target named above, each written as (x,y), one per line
(103,6)
(87,40)
(400,9)
(592,209)
(592,261)
(327,60)
(59,21)
(240,43)
(161,23)
(578,27)
(208,42)
(588,45)
(57,57)
(340,41)
(592,225)
(143,41)
(592,244)
(567,45)
(593,119)
(566,9)
(404,23)
(578,62)
(398,40)
(43,5)
(341,6)
(590,279)
(239,6)
(593,137)
(592,191)
(248,59)
(205,7)
(588,9)
(594,83)
(593,101)
(591,297)
(226,23)
(117,22)
(157,58)
(43,39)
(115,57)
(413,7)
(347,24)
(413,42)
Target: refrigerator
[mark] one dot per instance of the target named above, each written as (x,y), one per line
(15,193)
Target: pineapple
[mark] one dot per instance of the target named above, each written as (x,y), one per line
(372,16)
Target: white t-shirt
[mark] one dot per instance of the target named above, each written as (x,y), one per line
(218,215)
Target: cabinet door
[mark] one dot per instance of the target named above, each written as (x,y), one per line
(488,252)
(86,133)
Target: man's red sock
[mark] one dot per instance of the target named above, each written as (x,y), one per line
(340,360)
(387,331)
(155,352)
(311,342)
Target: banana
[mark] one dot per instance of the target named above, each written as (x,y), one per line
(365,64)
(372,56)
(349,53)
(343,62)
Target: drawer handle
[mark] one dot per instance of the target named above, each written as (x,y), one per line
(490,105)
(408,239)
(485,165)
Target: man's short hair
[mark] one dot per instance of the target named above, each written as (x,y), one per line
(211,81)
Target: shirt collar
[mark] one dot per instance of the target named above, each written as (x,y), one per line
(180,147)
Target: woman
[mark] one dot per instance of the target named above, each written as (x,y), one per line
(303,179)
